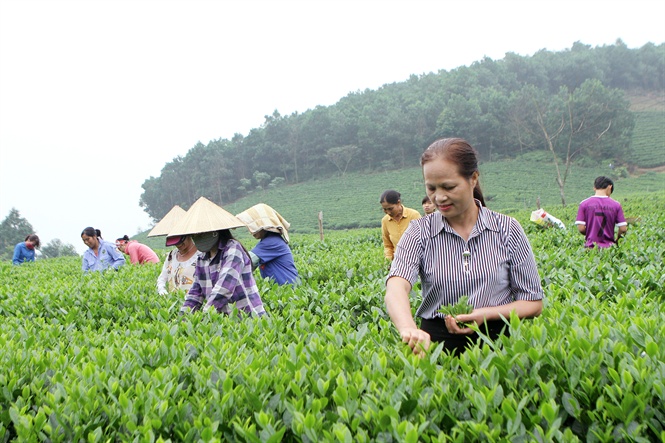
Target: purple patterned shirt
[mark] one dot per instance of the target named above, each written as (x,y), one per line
(224,279)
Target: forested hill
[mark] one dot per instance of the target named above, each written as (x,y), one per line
(572,105)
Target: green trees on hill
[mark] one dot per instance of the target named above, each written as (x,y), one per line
(567,103)
(56,248)
(591,120)
(13,230)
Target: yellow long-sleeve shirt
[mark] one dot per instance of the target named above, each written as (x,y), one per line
(392,230)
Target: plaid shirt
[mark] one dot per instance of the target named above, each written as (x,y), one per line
(224,279)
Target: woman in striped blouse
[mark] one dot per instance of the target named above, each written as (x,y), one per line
(468,250)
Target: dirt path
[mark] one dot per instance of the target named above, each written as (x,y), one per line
(656,169)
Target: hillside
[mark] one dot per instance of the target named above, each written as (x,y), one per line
(502,107)
(640,101)
(510,186)
(351,201)
(648,144)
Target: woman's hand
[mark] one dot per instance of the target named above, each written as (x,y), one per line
(473,319)
(521,308)
(417,339)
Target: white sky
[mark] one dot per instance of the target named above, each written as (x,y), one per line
(96,96)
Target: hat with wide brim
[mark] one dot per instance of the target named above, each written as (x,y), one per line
(205,216)
(263,217)
(167,222)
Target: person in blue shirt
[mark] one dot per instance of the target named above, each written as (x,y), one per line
(272,254)
(25,251)
(101,254)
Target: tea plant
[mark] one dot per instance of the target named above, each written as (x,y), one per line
(102,357)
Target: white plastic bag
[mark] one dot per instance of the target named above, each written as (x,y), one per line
(546,220)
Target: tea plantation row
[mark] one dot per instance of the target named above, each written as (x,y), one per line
(104,358)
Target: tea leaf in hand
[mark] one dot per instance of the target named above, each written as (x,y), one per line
(461,307)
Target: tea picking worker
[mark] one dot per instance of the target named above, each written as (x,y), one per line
(272,254)
(180,263)
(599,215)
(395,222)
(138,252)
(223,272)
(428,206)
(25,251)
(100,254)
(464,249)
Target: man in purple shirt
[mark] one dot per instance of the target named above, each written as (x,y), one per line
(598,216)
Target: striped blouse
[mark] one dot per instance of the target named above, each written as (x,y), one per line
(494,267)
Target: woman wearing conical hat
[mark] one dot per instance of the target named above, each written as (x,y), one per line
(223,272)
(179,266)
(180,263)
(272,254)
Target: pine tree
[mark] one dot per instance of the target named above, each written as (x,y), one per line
(13,230)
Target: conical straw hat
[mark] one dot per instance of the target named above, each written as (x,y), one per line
(205,216)
(167,222)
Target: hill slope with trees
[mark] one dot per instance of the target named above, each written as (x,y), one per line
(571,105)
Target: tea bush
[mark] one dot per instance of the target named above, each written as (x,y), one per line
(102,357)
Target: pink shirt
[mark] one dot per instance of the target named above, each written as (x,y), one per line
(140,253)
